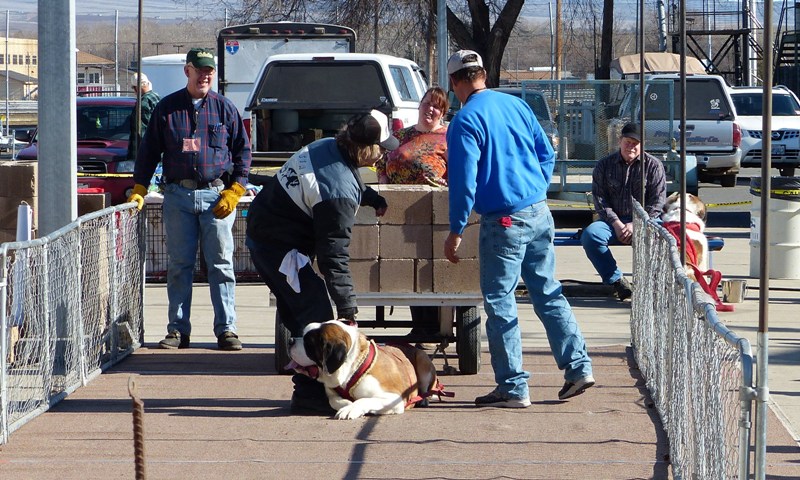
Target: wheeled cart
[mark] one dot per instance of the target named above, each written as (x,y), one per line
(459,317)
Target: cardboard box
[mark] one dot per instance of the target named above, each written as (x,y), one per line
(92,202)
(461,277)
(440,204)
(9,207)
(405,241)
(366,275)
(397,276)
(469,241)
(408,204)
(8,235)
(18,179)
(364,242)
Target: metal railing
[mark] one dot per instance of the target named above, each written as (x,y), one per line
(699,373)
(70,307)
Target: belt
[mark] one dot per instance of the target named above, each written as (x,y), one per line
(195,185)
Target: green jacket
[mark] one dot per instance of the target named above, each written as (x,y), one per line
(149,101)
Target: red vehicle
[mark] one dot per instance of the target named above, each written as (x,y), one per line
(103,130)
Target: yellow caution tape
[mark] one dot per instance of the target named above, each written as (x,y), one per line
(777,192)
(589,207)
(106,175)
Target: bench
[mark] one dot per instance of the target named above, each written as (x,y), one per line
(570,238)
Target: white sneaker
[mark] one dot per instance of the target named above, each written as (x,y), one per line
(496,399)
(572,389)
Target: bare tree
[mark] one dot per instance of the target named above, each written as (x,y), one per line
(475,32)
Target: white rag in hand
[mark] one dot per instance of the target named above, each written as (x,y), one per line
(291,264)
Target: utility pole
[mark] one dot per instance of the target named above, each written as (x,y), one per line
(558,40)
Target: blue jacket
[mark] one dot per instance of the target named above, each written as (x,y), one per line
(499,158)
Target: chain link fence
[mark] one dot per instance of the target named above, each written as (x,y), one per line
(589,115)
(157,261)
(699,373)
(70,307)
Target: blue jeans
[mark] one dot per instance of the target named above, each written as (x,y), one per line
(188,218)
(526,248)
(595,240)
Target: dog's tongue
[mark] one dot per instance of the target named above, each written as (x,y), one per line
(311,370)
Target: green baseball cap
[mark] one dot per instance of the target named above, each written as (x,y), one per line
(201,57)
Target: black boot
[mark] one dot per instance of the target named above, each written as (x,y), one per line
(309,397)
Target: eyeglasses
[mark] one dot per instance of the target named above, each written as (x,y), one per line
(205,71)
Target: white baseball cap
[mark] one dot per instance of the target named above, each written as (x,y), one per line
(463,59)
(372,129)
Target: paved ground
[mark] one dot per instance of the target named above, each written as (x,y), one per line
(212,415)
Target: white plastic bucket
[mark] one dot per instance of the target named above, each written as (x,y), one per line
(784,229)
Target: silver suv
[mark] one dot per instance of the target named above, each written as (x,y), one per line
(747,102)
(712,135)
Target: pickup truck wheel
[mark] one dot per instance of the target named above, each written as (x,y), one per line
(727,180)
(786,171)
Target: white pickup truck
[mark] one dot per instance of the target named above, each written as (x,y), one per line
(299,98)
(712,135)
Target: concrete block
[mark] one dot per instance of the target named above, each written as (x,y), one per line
(440,203)
(397,276)
(423,282)
(461,277)
(366,216)
(408,204)
(366,275)
(364,242)
(469,241)
(405,241)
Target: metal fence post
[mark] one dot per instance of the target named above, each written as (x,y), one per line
(4,344)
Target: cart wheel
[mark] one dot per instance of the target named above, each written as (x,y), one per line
(282,336)
(468,339)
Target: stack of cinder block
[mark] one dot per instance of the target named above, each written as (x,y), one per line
(403,251)
(18,183)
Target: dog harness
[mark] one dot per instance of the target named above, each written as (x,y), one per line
(366,366)
(710,287)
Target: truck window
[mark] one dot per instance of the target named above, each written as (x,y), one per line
(404,81)
(307,84)
(705,101)
(106,123)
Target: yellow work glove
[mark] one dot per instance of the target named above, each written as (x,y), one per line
(139,192)
(228,199)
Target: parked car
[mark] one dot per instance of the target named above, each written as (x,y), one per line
(534,98)
(713,136)
(747,101)
(103,127)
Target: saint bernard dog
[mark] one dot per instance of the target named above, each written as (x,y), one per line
(361,377)
(697,245)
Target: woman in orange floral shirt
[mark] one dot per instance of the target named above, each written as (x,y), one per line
(421,158)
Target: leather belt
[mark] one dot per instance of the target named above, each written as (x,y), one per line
(195,185)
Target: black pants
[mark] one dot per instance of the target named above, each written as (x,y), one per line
(296,309)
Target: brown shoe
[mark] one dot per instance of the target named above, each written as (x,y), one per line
(173,340)
(229,341)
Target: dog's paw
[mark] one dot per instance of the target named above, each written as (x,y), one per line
(350,412)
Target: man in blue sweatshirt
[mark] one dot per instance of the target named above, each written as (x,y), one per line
(500,164)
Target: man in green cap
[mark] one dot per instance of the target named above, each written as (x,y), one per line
(200,139)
